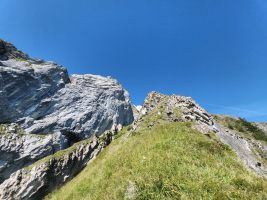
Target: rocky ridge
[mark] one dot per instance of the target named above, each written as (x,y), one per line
(177,108)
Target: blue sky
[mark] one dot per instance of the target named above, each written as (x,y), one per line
(214,51)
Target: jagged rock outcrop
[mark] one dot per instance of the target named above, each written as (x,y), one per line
(18,149)
(42,99)
(178,108)
(36,181)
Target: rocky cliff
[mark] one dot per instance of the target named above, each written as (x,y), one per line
(42,98)
(53,110)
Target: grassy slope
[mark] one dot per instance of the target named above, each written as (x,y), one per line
(246,130)
(169,161)
(242,126)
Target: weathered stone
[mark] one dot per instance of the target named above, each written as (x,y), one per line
(40,97)
(246,148)
(36,181)
(178,108)
(18,150)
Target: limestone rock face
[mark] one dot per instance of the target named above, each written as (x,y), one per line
(136,112)
(53,109)
(24,87)
(18,149)
(88,105)
(42,98)
(36,181)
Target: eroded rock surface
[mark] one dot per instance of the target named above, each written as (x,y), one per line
(178,108)
(252,152)
(53,109)
(18,149)
(42,98)
(36,181)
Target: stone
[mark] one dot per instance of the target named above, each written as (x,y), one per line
(246,148)
(42,98)
(175,108)
(18,149)
(36,181)
(53,109)
(178,108)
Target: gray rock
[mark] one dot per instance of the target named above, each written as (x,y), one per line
(178,108)
(262,126)
(24,86)
(184,109)
(41,98)
(18,149)
(36,181)
(245,149)
(88,105)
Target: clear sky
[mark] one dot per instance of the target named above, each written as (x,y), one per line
(212,50)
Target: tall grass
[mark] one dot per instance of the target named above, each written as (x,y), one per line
(169,161)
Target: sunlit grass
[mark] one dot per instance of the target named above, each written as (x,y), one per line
(169,161)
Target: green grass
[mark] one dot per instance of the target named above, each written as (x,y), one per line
(17,130)
(3,129)
(167,161)
(60,154)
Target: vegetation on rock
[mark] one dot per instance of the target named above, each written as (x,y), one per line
(243,126)
(167,161)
